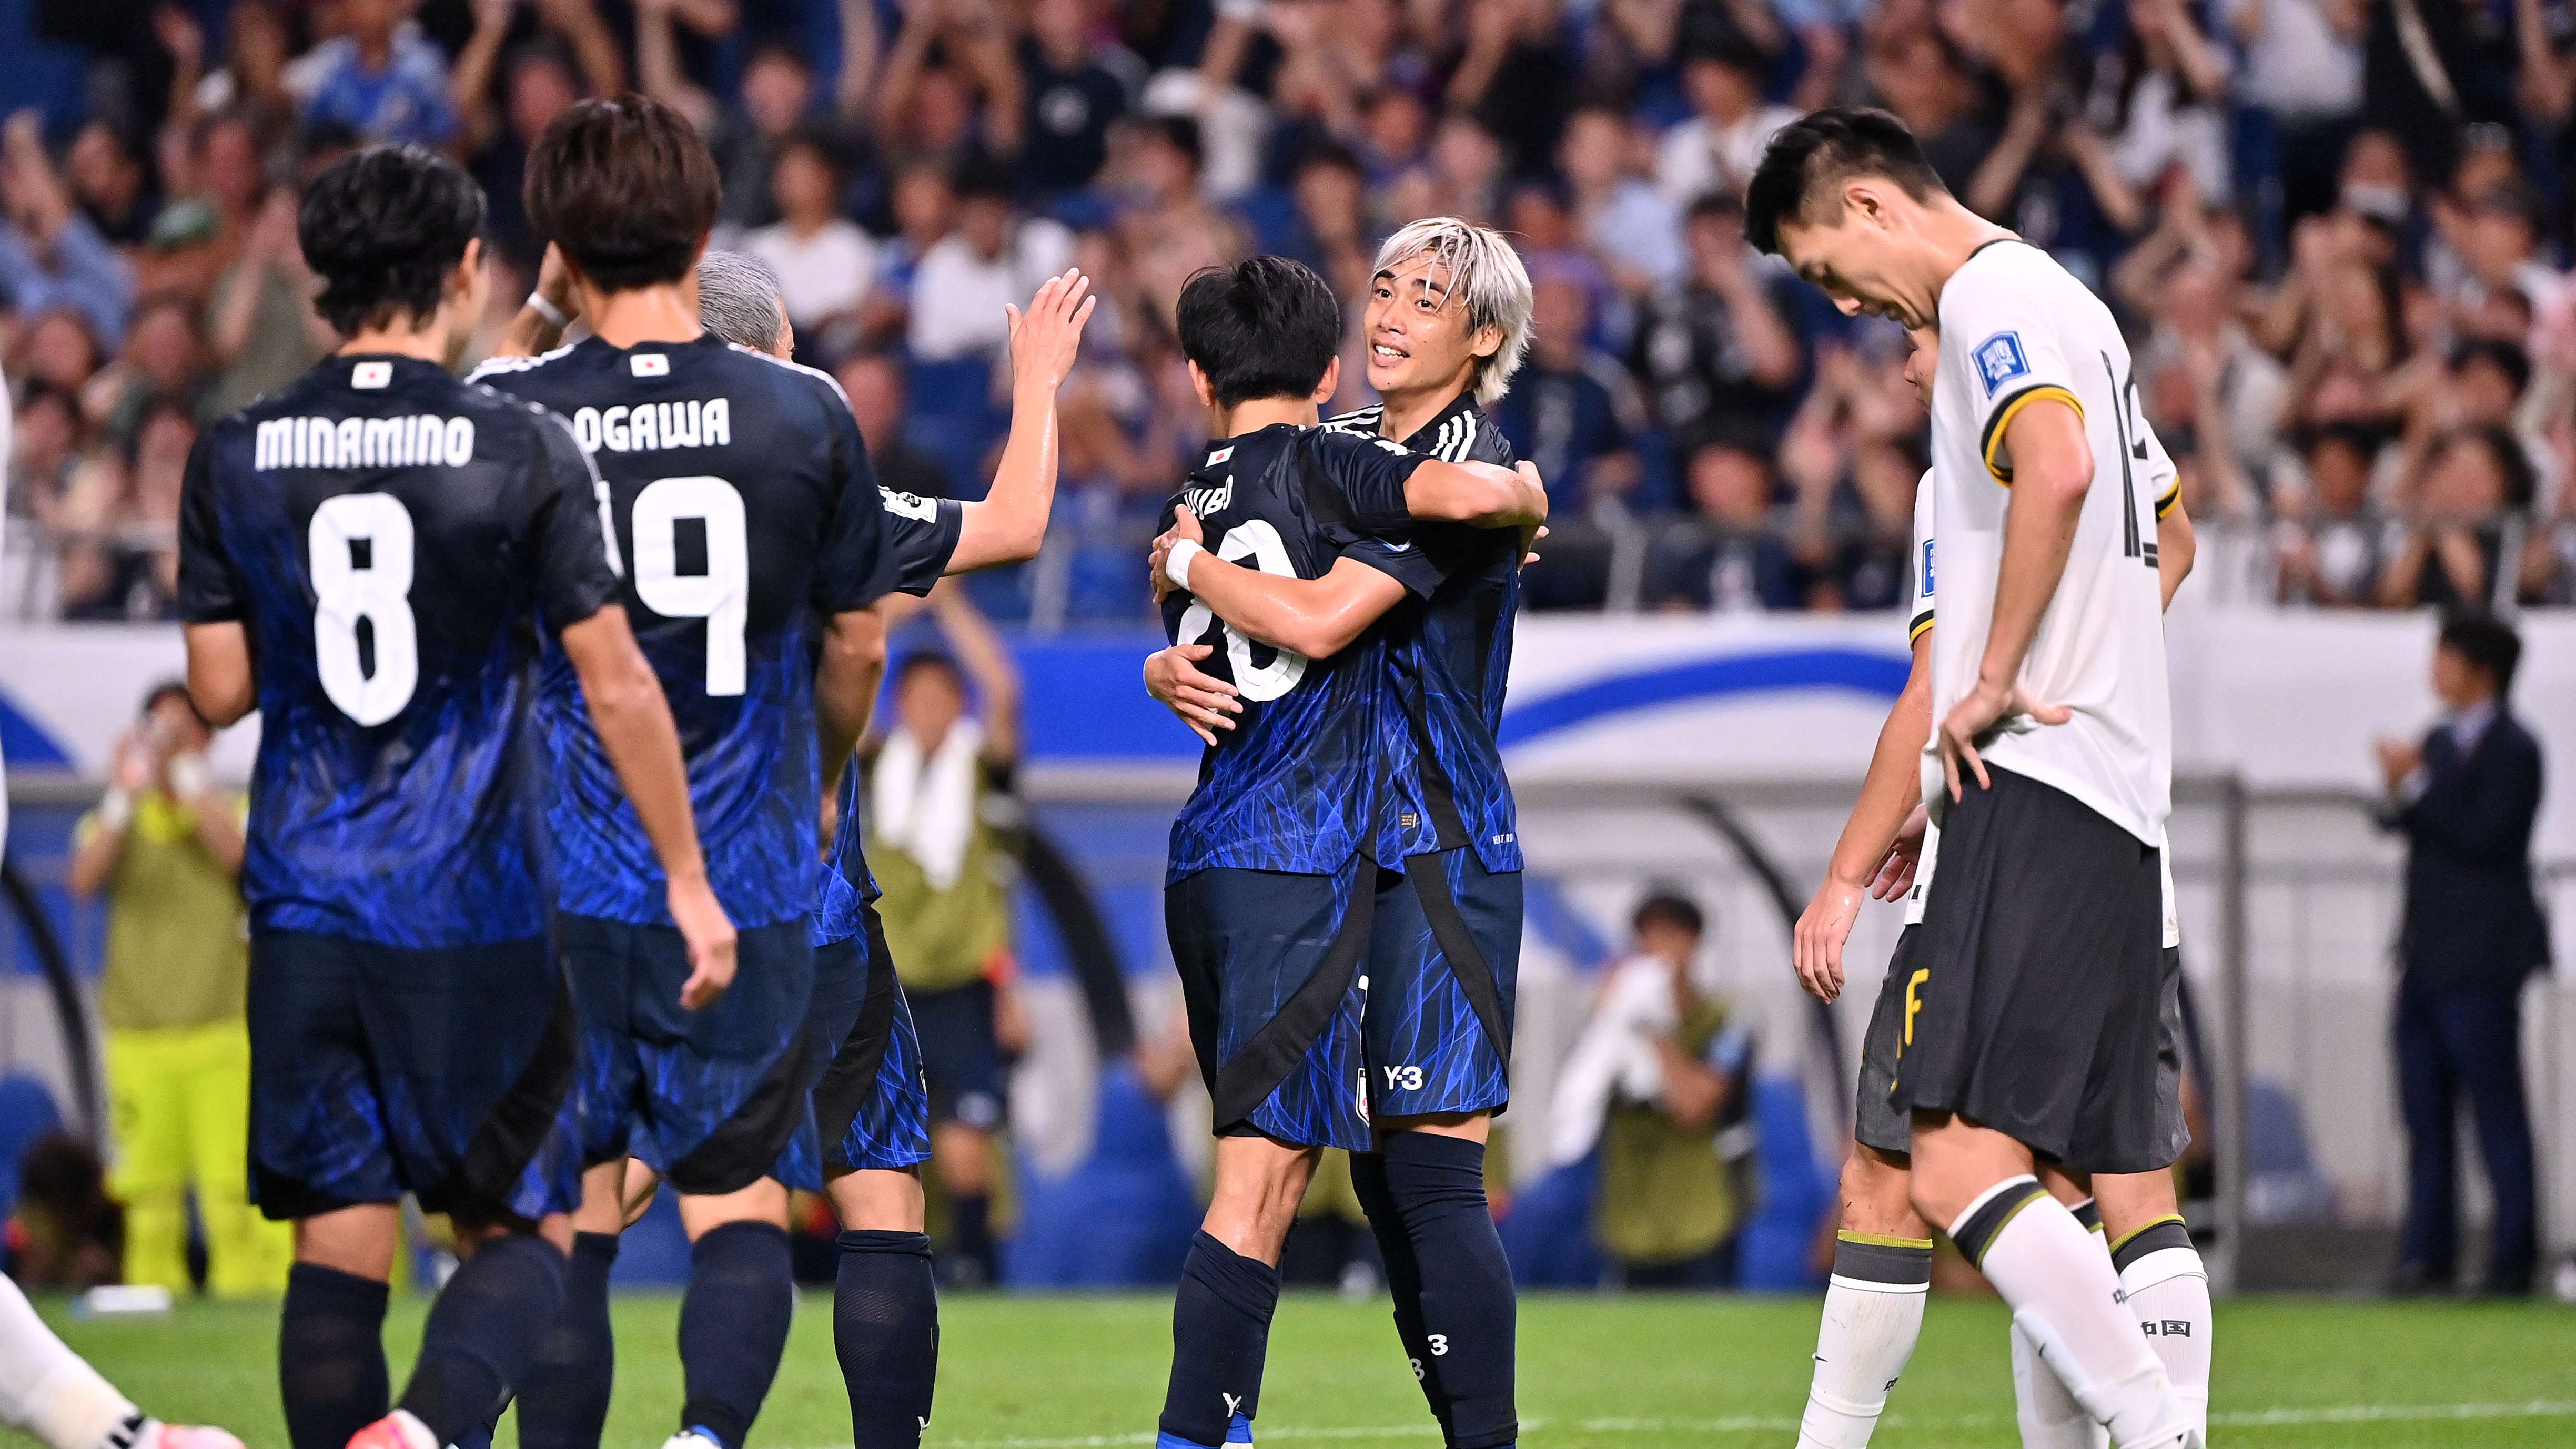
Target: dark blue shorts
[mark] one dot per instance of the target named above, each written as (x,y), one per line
(379,1070)
(961,1056)
(1270,964)
(868,1109)
(708,1098)
(1443,964)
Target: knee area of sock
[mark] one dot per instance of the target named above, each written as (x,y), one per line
(313,1287)
(743,1242)
(1426,1168)
(1245,1283)
(882,1242)
(596,1249)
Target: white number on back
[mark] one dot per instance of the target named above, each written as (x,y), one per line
(379,593)
(1254,540)
(721,595)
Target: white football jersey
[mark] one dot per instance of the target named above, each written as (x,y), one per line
(1918,618)
(2017,329)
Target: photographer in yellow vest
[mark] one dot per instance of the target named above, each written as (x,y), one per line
(164,848)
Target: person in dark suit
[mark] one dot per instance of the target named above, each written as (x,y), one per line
(2465,799)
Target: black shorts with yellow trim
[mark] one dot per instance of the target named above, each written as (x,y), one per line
(2039,1012)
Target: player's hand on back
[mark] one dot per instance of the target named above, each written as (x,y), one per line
(1046,337)
(710,936)
(1204,702)
(1975,717)
(1896,873)
(1185,525)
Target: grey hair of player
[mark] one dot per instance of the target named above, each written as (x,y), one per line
(1486,275)
(738,300)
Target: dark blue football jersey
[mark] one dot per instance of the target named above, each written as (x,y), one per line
(1295,785)
(391,540)
(922,532)
(742,497)
(1449,652)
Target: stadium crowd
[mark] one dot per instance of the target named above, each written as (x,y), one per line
(2335,227)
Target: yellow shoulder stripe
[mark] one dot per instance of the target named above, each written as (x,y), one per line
(2003,417)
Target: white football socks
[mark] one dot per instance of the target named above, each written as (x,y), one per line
(2168,1290)
(1873,1316)
(2049,1416)
(2066,1298)
(47,1390)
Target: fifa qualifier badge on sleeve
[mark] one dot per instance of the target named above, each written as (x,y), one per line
(1999,360)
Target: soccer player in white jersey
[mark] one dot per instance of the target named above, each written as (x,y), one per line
(1873,1311)
(2031,1025)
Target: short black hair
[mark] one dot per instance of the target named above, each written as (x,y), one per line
(1665,906)
(2507,358)
(2487,642)
(1822,149)
(627,188)
(2521,480)
(383,228)
(1263,327)
(1181,133)
(979,177)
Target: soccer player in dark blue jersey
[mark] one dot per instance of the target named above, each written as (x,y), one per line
(760,538)
(1274,874)
(1446,324)
(370,557)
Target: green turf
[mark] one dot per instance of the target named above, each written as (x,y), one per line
(1635,1373)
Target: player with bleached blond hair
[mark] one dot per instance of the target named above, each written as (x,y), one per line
(1446,324)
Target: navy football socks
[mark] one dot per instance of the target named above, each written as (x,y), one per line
(733,1326)
(331,1356)
(483,1334)
(970,1252)
(563,1397)
(1220,1339)
(885,1330)
(1437,1187)
(1403,1277)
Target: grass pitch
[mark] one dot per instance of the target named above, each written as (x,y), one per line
(1616,1373)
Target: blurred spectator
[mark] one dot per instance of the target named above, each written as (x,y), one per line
(2330,549)
(776,92)
(2300,87)
(1717,346)
(165,850)
(939,810)
(380,77)
(121,559)
(1077,88)
(540,78)
(873,382)
(1663,1068)
(1717,149)
(1735,560)
(1630,225)
(1571,409)
(50,254)
(2452,552)
(262,331)
(824,263)
(994,258)
(2465,799)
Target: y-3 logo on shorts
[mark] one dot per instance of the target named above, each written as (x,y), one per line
(1233,1403)
(1403,1079)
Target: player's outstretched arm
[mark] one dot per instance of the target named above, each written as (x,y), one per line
(1889,793)
(1314,617)
(634,724)
(1487,495)
(547,314)
(846,679)
(2052,471)
(220,682)
(1010,522)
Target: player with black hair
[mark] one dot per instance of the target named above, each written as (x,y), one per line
(760,539)
(1275,875)
(1447,324)
(2033,1031)
(369,558)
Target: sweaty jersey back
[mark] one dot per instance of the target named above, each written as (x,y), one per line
(742,497)
(391,540)
(1295,786)
(2018,330)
